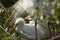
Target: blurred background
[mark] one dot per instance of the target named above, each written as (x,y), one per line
(49,9)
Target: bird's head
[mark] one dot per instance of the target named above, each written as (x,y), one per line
(19,22)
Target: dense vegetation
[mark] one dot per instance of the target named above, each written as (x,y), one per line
(6,24)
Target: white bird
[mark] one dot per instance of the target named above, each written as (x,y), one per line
(28,30)
(26,5)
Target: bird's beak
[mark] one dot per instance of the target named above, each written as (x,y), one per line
(15,25)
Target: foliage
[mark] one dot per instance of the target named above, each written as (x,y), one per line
(7,24)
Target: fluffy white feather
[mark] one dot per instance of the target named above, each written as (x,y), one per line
(28,30)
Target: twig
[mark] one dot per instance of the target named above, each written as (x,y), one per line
(55,38)
(5,30)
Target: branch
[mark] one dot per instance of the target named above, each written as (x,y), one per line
(5,30)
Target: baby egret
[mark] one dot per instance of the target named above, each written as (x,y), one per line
(28,30)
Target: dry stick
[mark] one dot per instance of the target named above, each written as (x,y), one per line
(7,20)
(5,30)
(2,6)
(49,29)
(1,26)
(36,27)
(55,38)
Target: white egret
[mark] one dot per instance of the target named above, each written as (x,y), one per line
(28,30)
(29,5)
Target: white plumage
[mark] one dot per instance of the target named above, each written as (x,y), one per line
(28,30)
(26,5)
(29,5)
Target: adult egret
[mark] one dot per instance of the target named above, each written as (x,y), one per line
(29,5)
(28,30)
